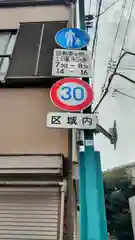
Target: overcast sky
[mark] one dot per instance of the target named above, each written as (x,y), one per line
(119,108)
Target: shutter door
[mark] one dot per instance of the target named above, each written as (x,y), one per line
(29,213)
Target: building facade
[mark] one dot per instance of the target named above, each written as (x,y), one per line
(35,197)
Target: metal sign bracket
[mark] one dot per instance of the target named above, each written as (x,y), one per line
(112,135)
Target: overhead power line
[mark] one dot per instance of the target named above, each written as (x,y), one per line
(89,6)
(109,7)
(95,16)
(127,27)
(112,76)
(114,42)
(127,68)
(95,39)
(96,28)
(118,28)
(125,35)
(124,94)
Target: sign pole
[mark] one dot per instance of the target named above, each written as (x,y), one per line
(70,165)
(74,95)
(101,201)
(92,207)
(82,197)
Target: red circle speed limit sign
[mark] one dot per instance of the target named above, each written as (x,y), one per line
(71,94)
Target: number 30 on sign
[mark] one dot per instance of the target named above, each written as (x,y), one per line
(71,94)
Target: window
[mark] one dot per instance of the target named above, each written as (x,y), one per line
(33,51)
(7,41)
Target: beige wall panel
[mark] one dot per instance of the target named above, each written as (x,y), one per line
(11,17)
(23,123)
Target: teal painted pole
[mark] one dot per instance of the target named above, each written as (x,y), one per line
(101,199)
(96,216)
(92,208)
(92,201)
(82,197)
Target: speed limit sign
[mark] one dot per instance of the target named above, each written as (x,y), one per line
(71,94)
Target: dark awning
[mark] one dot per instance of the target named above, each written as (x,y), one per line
(13,3)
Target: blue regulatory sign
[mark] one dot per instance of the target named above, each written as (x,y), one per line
(72,38)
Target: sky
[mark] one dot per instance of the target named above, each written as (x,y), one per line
(119,108)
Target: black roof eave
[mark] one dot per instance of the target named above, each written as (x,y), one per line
(25,3)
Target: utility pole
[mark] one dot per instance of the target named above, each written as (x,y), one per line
(92,207)
(70,154)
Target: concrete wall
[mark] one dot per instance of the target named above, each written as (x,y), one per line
(11,17)
(23,123)
(23,111)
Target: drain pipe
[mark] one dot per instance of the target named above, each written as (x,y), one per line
(63,192)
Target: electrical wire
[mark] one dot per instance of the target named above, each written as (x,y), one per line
(127,68)
(89,6)
(97,4)
(109,7)
(124,94)
(95,16)
(112,76)
(129,19)
(96,29)
(125,35)
(127,27)
(118,28)
(95,39)
(96,32)
(115,38)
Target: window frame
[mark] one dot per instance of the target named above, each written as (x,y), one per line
(5,55)
(32,79)
(21,81)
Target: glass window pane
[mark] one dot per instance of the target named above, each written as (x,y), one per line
(7,41)
(4,63)
(11,44)
(4,37)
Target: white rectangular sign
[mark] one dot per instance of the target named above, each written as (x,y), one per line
(71,120)
(71,63)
